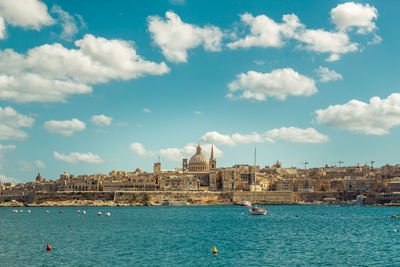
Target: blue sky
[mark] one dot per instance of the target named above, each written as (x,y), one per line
(90,87)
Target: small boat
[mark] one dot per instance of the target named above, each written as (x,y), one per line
(245,203)
(99,213)
(256,210)
(108,214)
(84,212)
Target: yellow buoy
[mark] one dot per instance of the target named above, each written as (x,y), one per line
(214,251)
(394,216)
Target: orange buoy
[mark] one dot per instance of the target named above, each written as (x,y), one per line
(214,250)
(48,247)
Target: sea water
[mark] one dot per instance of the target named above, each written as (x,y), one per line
(185,236)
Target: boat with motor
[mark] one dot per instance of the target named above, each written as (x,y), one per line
(245,203)
(256,210)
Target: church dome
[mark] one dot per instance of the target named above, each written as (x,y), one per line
(198,159)
(198,162)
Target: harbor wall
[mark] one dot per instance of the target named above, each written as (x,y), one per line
(267,197)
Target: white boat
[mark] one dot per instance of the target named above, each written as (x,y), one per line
(245,203)
(256,210)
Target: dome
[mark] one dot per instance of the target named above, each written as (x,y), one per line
(198,159)
(198,162)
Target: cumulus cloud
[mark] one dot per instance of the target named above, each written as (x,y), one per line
(68,23)
(5,179)
(355,15)
(10,123)
(375,117)
(101,120)
(51,72)
(29,166)
(234,139)
(321,41)
(327,75)
(290,134)
(279,84)
(297,135)
(76,157)
(3,31)
(30,14)
(174,153)
(175,37)
(147,110)
(265,32)
(65,128)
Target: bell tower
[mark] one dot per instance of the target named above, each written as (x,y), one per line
(213,161)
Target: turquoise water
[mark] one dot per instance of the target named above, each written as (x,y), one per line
(184,236)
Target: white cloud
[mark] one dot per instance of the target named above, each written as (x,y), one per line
(76,157)
(29,166)
(265,32)
(65,128)
(279,84)
(375,117)
(177,2)
(326,75)
(355,15)
(198,112)
(147,110)
(321,41)
(173,153)
(232,140)
(297,135)
(31,14)
(290,134)
(68,23)
(3,31)
(175,37)
(10,123)
(101,120)
(51,72)
(5,179)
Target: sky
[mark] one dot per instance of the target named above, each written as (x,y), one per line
(94,86)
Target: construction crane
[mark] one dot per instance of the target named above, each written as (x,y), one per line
(372,164)
(305,164)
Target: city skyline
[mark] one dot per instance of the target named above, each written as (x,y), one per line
(90,88)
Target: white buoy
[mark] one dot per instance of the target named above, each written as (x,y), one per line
(29,211)
(108,214)
(21,211)
(47,211)
(99,213)
(84,212)
(78,211)
(15,211)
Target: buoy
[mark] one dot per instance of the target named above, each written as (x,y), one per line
(29,211)
(78,211)
(214,250)
(47,211)
(394,216)
(84,212)
(99,213)
(61,211)
(108,214)
(69,225)
(21,211)
(48,247)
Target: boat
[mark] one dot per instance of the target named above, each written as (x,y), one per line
(256,210)
(245,203)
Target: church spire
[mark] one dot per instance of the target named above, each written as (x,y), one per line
(212,152)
